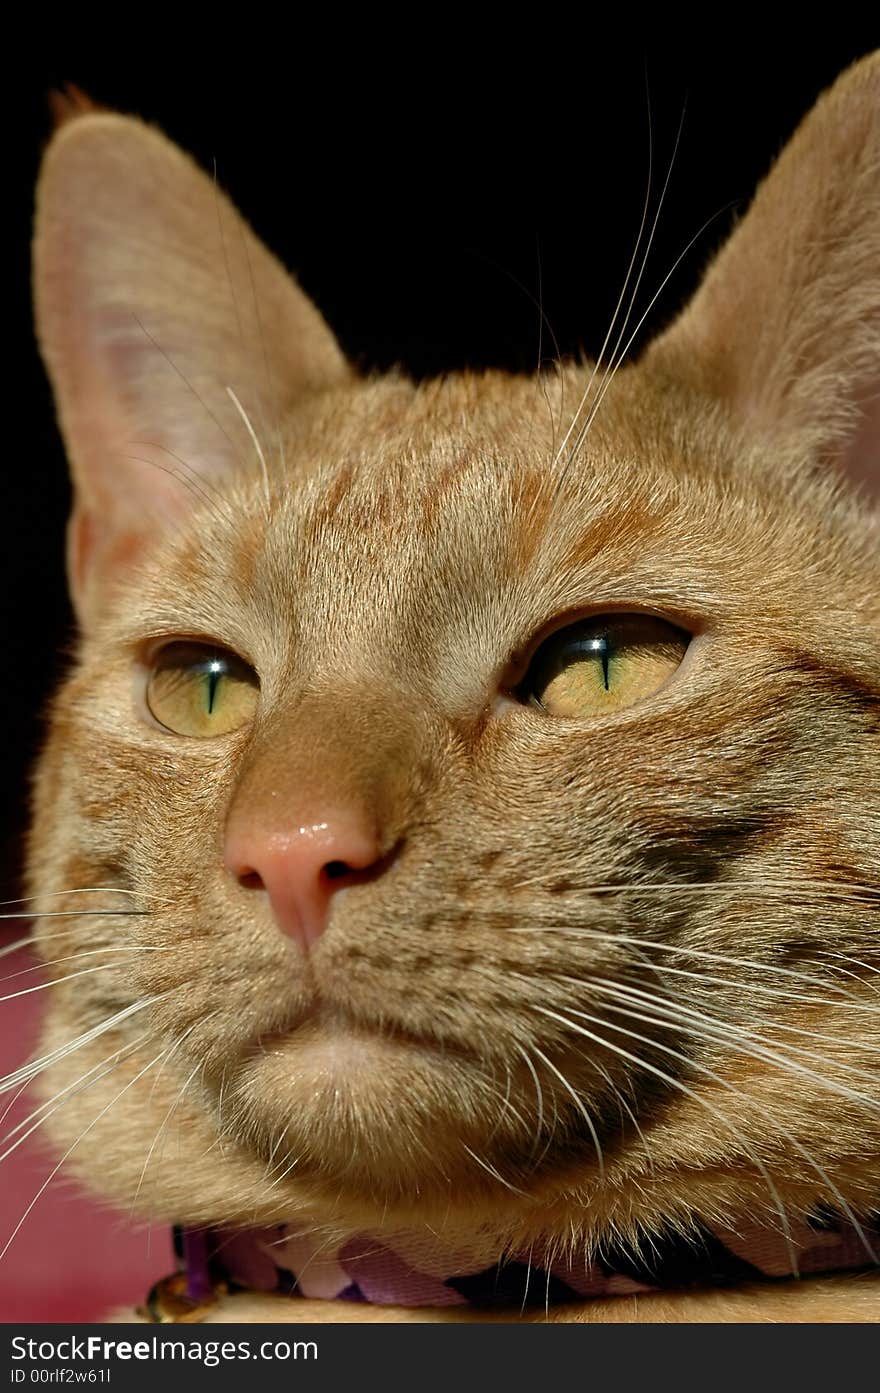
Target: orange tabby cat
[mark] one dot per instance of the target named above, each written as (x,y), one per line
(491,766)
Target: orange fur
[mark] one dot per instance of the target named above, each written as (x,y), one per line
(388,567)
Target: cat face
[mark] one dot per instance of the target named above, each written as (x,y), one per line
(489,767)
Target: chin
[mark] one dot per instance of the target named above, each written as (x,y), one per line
(375,1117)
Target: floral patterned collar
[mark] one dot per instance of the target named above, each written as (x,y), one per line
(411,1269)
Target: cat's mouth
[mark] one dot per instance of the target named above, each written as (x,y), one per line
(381,1114)
(329,1033)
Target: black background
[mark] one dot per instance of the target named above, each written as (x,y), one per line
(429,186)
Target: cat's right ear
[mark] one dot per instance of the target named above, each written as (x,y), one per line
(784,331)
(157,310)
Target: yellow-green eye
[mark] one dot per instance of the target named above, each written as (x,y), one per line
(603,664)
(196,689)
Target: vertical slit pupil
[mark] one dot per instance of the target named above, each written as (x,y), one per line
(214,675)
(605,657)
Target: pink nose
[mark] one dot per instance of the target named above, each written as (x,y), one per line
(301,868)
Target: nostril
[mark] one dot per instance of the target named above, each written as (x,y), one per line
(334,870)
(251,880)
(337,873)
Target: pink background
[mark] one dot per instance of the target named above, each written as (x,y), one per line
(72,1259)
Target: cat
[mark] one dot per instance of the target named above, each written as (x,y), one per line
(480,778)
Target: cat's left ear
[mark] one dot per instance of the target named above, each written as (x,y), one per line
(173,337)
(785,329)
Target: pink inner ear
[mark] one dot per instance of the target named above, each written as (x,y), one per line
(91,546)
(860,459)
(152,298)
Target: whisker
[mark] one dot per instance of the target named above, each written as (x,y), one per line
(853,976)
(626,347)
(490,1170)
(256,444)
(188,484)
(86,953)
(618,306)
(11,1104)
(784,887)
(77,1086)
(77,914)
(85,890)
(181,1039)
(622,1104)
(604,984)
(294,1161)
(20,943)
(529,1263)
(271,382)
(579,1104)
(186,382)
(268,374)
(681,950)
(683,1088)
(716,1078)
(198,485)
(57,982)
(847,957)
(616,354)
(36,938)
(273,1151)
(698,1023)
(539,1092)
(507,1104)
(220,1111)
(36,1066)
(163,1126)
(781,993)
(84,1133)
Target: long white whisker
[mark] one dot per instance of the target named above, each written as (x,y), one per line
(539,1093)
(85,890)
(701,955)
(53,1105)
(292,1163)
(86,953)
(271,383)
(626,347)
(678,1011)
(623,1105)
(51,1176)
(785,887)
(690,1093)
(716,1078)
(620,299)
(186,382)
(162,1128)
(579,1104)
(181,1039)
(706,979)
(36,1066)
(490,1170)
(77,914)
(58,981)
(616,356)
(256,444)
(736,1038)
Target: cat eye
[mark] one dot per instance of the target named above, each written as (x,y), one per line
(200,690)
(602,664)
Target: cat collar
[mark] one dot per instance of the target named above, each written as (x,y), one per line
(409,1269)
